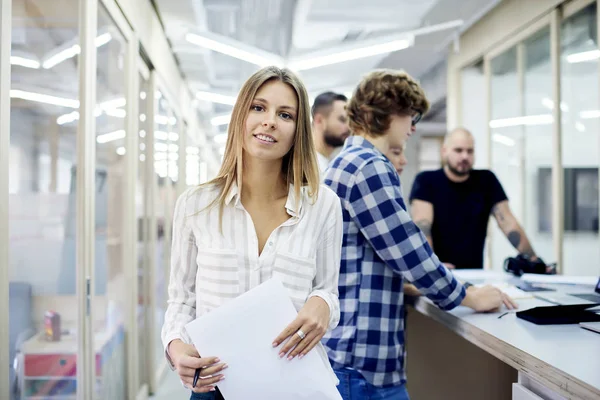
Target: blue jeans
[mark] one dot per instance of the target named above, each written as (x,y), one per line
(354,387)
(216,395)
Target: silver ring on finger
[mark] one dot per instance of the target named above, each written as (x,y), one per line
(300,333)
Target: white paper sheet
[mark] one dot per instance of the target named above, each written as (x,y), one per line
(479,275)
(560,279)
(241,333)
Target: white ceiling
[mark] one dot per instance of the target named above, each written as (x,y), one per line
(291,29)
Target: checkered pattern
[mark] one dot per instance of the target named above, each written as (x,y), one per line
(381,247)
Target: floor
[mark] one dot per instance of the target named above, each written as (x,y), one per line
(171,388)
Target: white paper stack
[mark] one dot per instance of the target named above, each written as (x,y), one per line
(241,333)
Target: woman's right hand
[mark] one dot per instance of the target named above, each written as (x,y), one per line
(186,360)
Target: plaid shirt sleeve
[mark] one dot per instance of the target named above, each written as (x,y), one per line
(375,203)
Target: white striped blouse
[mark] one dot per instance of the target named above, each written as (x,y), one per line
(209,268)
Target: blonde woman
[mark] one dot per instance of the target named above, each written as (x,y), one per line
(264,215)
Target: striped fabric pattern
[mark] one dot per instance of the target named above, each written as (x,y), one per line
(209,268)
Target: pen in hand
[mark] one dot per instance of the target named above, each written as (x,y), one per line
(196,376)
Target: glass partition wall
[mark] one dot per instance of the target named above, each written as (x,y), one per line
(42,196)
(580,144)
(70,320)
(543,135)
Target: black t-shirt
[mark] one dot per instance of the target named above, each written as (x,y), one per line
(461,213)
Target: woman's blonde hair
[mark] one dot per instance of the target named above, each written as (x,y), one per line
(299,165)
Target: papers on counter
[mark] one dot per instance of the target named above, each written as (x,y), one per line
(478,275)
(560,279)
(241,333)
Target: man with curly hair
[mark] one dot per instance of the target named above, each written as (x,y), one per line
(382,246)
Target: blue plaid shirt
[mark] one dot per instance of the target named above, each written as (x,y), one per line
(381,247)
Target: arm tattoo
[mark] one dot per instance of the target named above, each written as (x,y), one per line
(514,237)
(496,211)
(425,226)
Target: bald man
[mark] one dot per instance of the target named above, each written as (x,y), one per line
(461,199)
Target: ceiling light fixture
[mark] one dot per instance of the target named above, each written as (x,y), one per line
(111,136)
(234,49)
(216,98)
(72,51)
(542,119)
(220,138)
(164,120)
(584,56)
(327,58)
(220,120)
(505,140)
(589,114)
(43,98)
(24,62)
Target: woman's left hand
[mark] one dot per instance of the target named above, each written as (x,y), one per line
(306,330)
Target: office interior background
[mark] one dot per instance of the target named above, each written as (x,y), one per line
(109,109)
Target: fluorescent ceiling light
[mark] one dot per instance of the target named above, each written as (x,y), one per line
(164,120)
(549,104)
(43,98)
(216,98)
(252,56)
(220,120)
(543,119)
(62,56)
(589,114)
(24,62)
(72,51)
(160,147)
(116,112)
(115,103)
(220,138)
(67,118)
(192,150)
(583,56)
(348,55)
(162,135)
(106,107)
(111,136)
(503,139)
(121,151)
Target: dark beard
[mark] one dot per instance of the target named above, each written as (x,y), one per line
(457,172)
(332,140)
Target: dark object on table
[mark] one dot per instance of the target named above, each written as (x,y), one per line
(560,315)
(522,264)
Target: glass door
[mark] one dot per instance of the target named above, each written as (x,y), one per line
(42,303)
(143,246)
(111,295)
